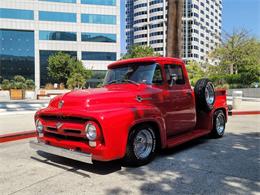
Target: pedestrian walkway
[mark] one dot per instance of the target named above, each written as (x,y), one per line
(20,106)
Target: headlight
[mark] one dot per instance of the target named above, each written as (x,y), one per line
(91,131)
(39,126)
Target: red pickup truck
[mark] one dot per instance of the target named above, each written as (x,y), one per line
(144,105)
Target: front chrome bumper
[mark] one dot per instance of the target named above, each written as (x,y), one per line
(79,156)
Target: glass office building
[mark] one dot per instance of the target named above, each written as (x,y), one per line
(32,30)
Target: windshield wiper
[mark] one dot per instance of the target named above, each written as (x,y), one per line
(121,81)
(130,81)
(111,82)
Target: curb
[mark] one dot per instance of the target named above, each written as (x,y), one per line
(17,136)
(232,113)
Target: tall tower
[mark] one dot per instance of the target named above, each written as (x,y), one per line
(147,25)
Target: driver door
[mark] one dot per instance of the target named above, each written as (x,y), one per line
(180,113)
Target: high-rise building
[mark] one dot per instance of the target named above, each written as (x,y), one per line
(32,30)
(146,24)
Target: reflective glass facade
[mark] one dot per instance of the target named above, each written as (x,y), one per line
(99,2)
(57,16)
(57,36)
(16,53)
(104,56)
(98,37)
(61,1)
(16,14)
(98,19)
(44,55)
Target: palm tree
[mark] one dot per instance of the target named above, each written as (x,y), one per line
(174,28)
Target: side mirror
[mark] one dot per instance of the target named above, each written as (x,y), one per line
(173,79)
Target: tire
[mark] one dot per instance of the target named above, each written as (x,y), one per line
(205,95)
(138,156)
(219,124)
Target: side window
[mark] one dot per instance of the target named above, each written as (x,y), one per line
(157,77)
(174,69)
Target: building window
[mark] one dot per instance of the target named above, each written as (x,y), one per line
(44,55)
(98,19)
(57,36)
(16,14)
(16,54)
(155,2)
(140,36)
(57,16)
(158,9)
(98,37)
(104,56)
(140,5)
(61,1)
(156,33)
(156,17)
(99,2)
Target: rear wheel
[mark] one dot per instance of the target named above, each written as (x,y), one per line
(205,94)
(219,124)
(141,146)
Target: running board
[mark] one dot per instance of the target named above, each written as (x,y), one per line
(180,139)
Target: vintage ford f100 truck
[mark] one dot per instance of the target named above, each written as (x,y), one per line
(144,105)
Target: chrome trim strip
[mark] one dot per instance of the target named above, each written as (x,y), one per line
(75,155)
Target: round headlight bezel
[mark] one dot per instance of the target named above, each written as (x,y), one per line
(39,126)
(91,131)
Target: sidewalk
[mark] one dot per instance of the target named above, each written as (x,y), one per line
(21,105)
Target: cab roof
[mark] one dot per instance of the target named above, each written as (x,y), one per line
(145,59)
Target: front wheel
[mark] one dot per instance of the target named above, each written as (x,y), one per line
(219,124)
(141,146)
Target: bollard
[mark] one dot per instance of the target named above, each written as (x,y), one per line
(237,99)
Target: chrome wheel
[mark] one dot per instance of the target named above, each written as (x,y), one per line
(220,124)
(143,143)
(209,94)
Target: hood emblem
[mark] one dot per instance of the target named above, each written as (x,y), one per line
(58,125)
(60,104)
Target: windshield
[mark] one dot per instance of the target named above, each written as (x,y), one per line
(134,73)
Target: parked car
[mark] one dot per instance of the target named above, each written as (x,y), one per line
(145,104)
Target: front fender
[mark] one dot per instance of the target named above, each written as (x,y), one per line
(116,126)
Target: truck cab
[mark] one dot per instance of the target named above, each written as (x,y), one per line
(145,104)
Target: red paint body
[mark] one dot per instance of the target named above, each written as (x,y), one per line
(114,108)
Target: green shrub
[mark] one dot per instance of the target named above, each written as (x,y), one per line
(30,84)
(5,84)
(19,78)
(19,82)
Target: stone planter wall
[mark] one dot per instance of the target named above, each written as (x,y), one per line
(4,95)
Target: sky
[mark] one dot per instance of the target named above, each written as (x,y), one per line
(236,14)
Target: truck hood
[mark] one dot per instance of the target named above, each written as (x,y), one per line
(108,97)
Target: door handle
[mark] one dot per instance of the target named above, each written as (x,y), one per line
(188,92)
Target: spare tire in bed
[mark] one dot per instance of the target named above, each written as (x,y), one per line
(204,94)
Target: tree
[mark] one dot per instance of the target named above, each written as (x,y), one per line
(76,80)
(139,51)
(62,68)
(78,76)
(239,54)
(59,67)
(195,72)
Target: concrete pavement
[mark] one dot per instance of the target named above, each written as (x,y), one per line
(229,165)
